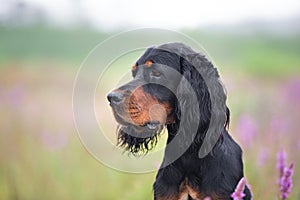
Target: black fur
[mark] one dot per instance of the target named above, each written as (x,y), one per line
(216,174)
(135,144)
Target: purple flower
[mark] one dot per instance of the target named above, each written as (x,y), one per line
(293,91)
(286,182)
(239,194)
(247,129)
(207,198)
(285,175)
(281,162)
(263,157)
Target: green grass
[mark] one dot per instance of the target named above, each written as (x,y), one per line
(258,53)
(43,43)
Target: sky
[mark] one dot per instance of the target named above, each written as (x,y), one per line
(110,14)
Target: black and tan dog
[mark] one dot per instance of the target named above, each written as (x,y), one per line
(176,87)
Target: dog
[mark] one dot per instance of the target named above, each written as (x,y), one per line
(175,87)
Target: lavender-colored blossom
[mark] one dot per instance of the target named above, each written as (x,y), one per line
(263,157)
(207,198)
(239,194)
(293,91)
(281,162)
(286,182)
(247,129)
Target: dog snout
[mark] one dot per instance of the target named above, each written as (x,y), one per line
(115,97)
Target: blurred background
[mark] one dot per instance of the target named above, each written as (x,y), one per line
(255,44)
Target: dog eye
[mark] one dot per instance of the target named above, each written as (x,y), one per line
(155,73)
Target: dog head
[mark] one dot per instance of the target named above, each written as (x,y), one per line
(164,80)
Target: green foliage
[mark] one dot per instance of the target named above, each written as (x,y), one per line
(38,44)
(259,53)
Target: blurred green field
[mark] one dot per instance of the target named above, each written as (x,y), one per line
(258,52)
(41,156)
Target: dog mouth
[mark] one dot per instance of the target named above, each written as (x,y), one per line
(150,126)
(135,119)
(139,139)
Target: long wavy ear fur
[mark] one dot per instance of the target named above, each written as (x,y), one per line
(197,110)
(209,114)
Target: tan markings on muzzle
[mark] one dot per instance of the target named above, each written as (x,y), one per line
(158,111)
(144,108)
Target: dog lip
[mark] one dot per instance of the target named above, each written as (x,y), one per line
(150,125)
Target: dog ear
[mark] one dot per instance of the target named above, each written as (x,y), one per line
(193,104)
(201,106)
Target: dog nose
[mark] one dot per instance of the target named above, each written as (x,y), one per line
(115,97)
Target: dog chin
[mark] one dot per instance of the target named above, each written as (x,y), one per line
(138,140)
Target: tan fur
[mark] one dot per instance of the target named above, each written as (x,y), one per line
(148,63)
(185,190)
(144,108)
